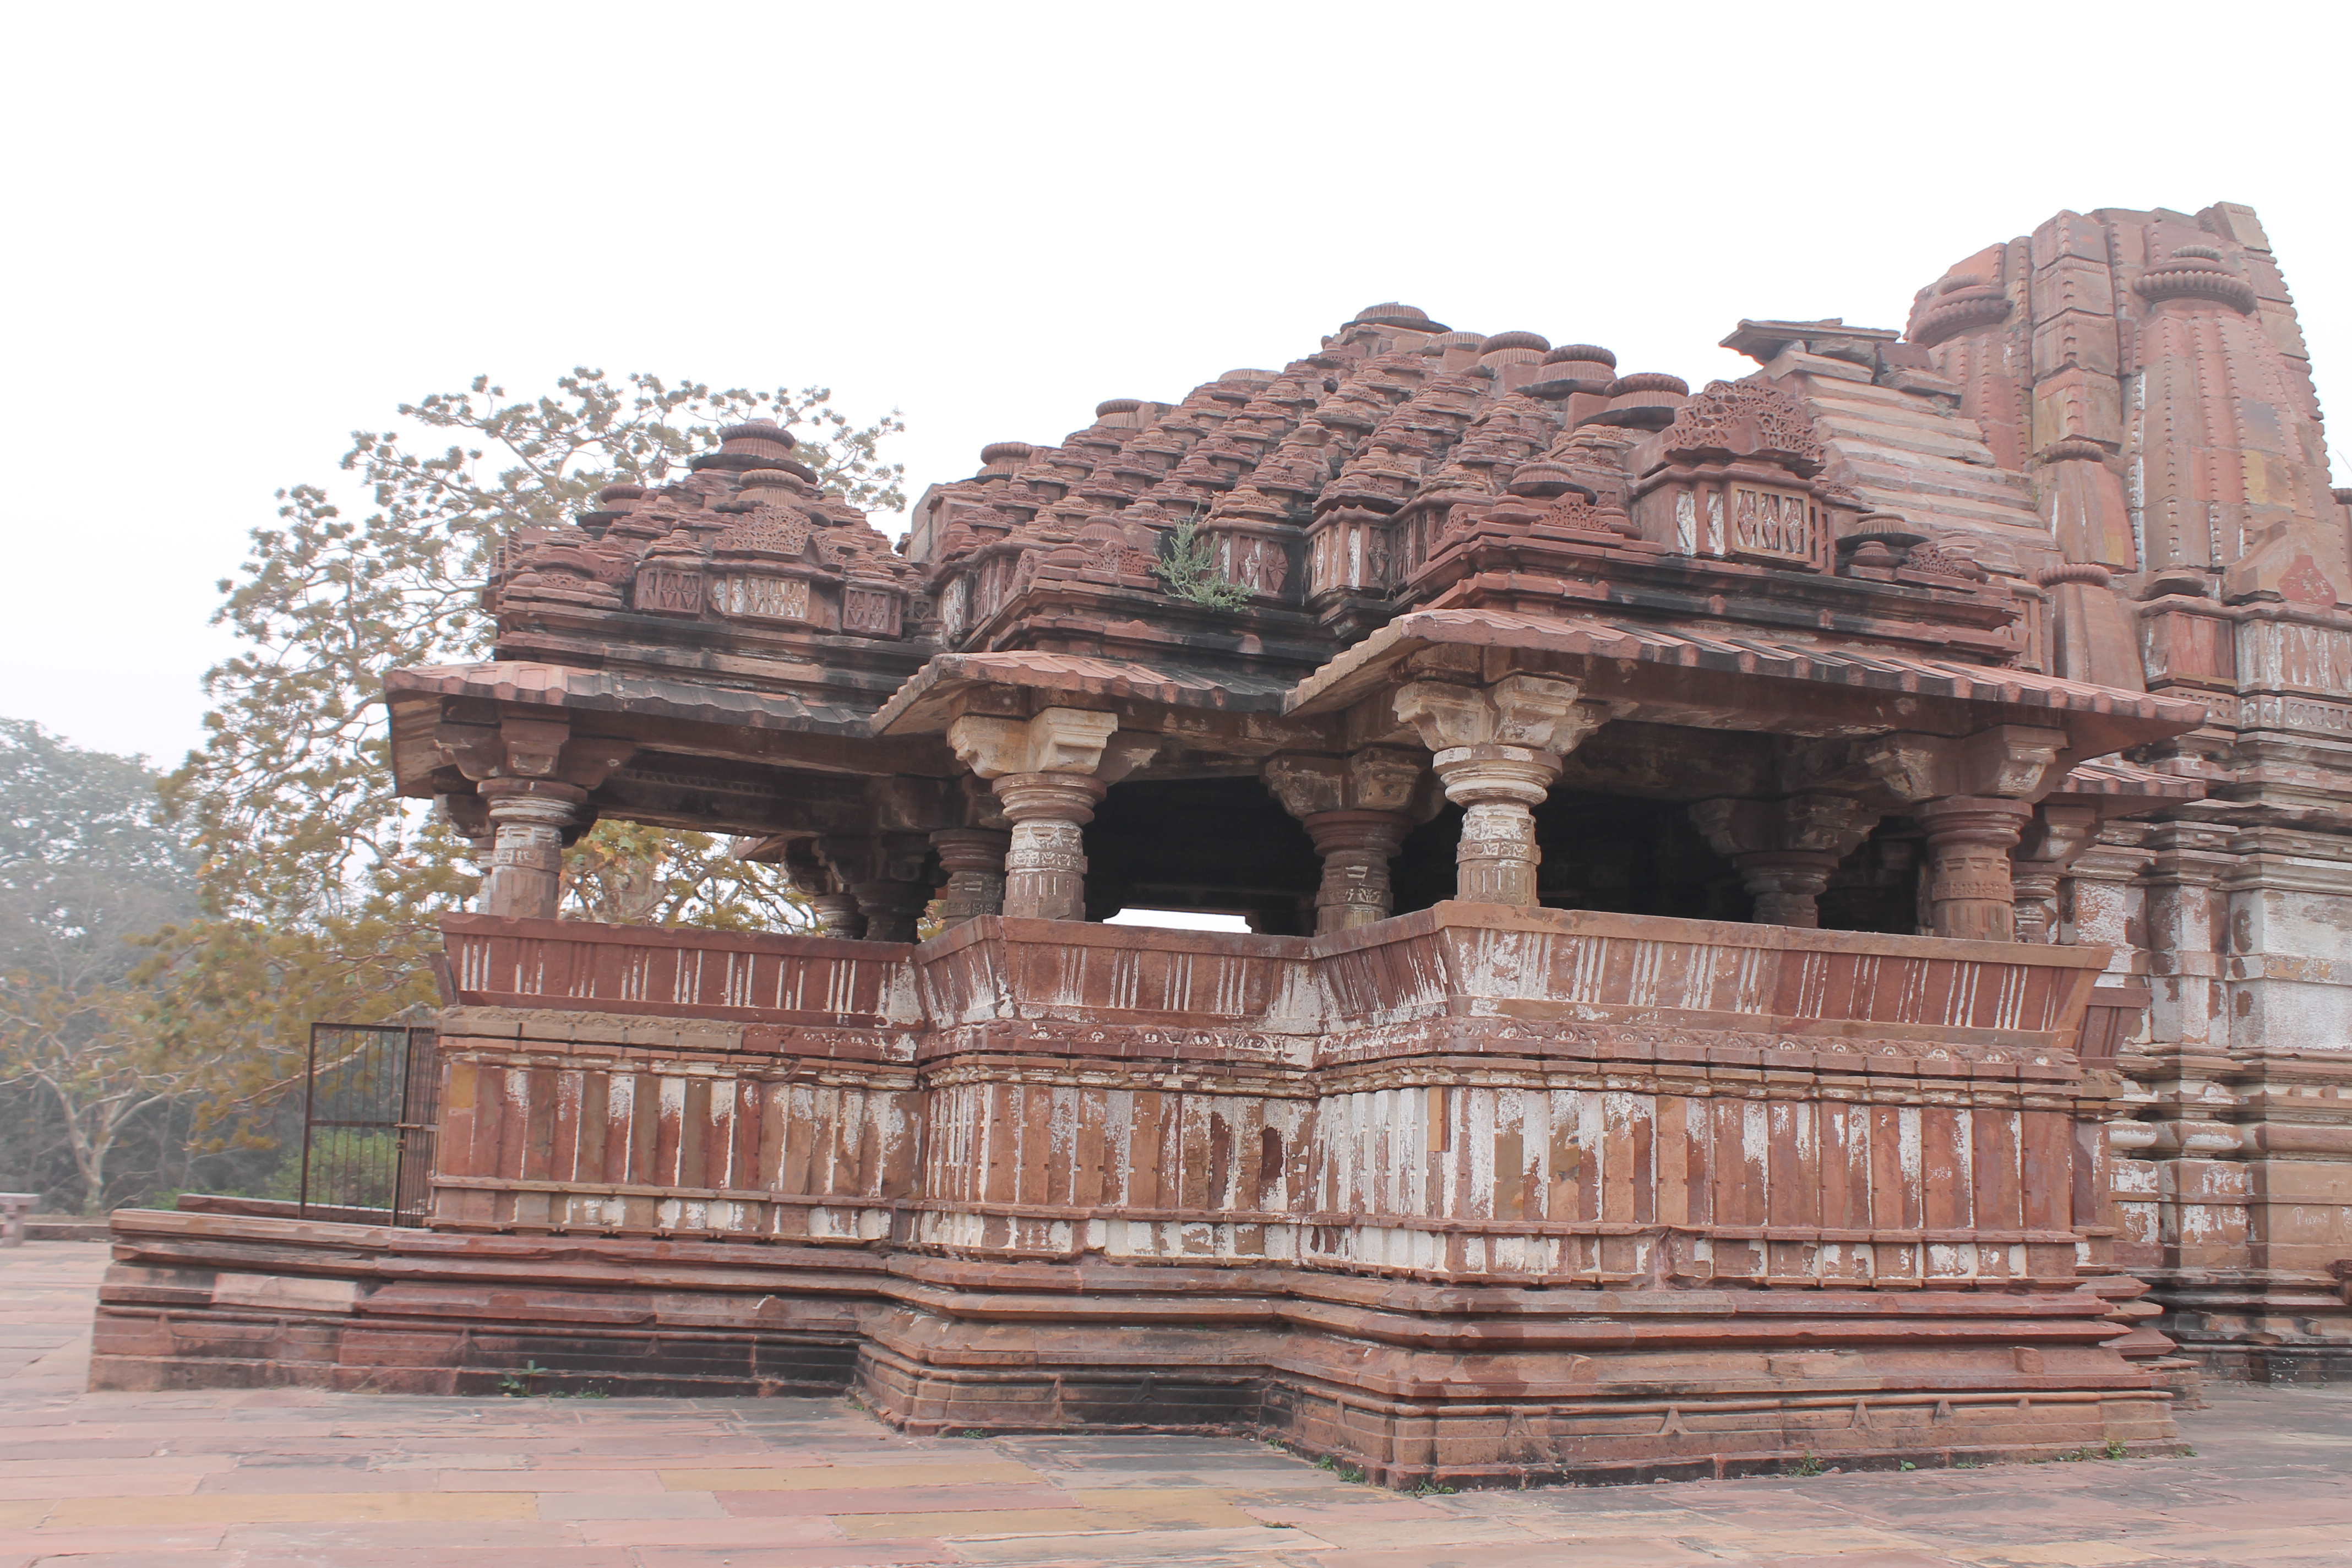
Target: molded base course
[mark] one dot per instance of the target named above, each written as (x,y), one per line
(2311,1364)
(1424,1382)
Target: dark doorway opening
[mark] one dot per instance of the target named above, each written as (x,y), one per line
(1599,852)
(1209,846)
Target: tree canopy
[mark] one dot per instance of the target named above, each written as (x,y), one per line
(88,861)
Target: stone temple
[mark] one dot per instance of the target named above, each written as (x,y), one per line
(1808,915)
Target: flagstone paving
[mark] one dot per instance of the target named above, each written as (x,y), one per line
(293,1479)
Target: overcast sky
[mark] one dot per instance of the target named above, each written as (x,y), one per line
(242,231)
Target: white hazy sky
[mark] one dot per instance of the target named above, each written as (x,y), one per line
(244,230)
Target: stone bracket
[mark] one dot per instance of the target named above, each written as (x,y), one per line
(1377,778)
(1537,712)
(1056,740)
(543,749)
(2011,762)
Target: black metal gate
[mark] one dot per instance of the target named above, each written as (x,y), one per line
(369,1111)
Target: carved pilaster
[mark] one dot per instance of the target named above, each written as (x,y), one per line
(1785,850)
(2186,911)
(1497,750)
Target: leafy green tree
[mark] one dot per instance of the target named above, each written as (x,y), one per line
(87,860)
(321,887)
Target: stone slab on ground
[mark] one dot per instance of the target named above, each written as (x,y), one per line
(301,1478)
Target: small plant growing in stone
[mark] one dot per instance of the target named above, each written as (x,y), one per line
(1907,1465)
(1188,564)
(518,1384)
(1810,1465)
(2115,1449)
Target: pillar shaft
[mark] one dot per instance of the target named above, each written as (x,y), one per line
(892,909)
(1355,847)
(1787,885)
(837,914)
(1046,865)
(527,821)
(974,860)
(1969,892)
(1497,786)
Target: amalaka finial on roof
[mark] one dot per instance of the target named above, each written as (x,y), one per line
(1513,348)
(1392,314)
(2196,272)
(1647,399)
(754,443)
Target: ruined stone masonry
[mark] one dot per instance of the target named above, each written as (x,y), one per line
(1805,916)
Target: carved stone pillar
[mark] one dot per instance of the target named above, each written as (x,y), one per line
(1046,863)
(892,909)
(884,872)
(837,914)
(470,816)
(533,776)
(1969,894)
(528,818)
(1049,773)
(2057,834)
(1355,847)
(1497,750)
(974,860)
(1785,850)
(833,906)
(1356,809)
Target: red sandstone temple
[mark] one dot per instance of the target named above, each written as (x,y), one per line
(1803,916)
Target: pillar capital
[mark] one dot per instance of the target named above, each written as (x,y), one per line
(2011,762)
(1357,809)
(833,906)
(1530,711)
(1377,778)
(1053,741)
(543,750)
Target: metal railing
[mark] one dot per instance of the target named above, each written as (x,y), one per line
(370,1108)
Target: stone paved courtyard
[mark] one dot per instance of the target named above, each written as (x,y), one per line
(300,1479)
